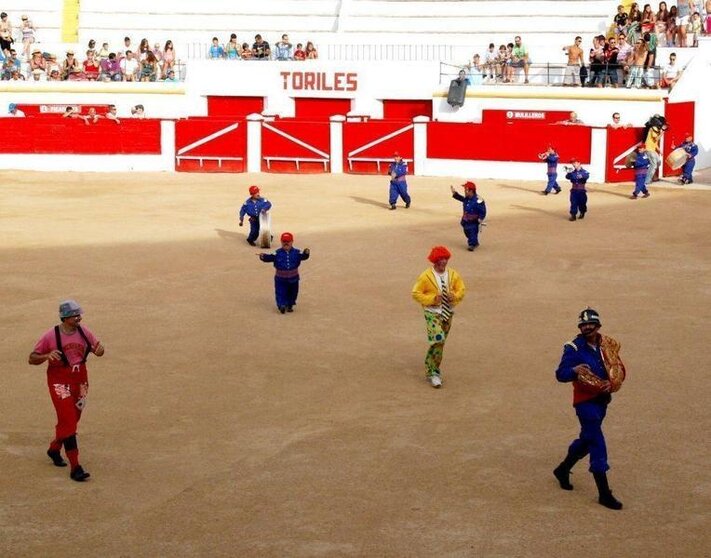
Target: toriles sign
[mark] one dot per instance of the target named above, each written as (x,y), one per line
(319,81)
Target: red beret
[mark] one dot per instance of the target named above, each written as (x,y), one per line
(469,186)
(439,253)
(287,237)
(253,190)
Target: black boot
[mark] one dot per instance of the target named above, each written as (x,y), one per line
(606,498)
(562,471)
(79,474)
(56,458)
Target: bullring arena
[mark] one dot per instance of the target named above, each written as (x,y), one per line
(217,426)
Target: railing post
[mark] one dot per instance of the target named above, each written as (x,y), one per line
(419,157)
(254,142)
(336,154)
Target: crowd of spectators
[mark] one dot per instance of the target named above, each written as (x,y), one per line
(261,50)
(92,116)
(678,25)
(499,66)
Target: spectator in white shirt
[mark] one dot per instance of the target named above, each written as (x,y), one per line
(14,112)
(670,73)
(129,67)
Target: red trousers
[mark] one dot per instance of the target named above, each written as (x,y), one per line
(68,401)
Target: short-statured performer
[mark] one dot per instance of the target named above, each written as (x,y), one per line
(65,348)
(474,213)
(252,207)
(592,362)
(551,158)
(286,260)
(578,177)
(438,289)
(398,181)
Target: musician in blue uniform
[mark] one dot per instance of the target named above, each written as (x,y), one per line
(692,150)
(398,181)
(252,207)
(473,215)
(551,158)
(592,363)
(640,165)
(286,260)
(578,176)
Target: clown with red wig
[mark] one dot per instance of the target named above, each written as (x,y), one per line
(286,260)
(438,289)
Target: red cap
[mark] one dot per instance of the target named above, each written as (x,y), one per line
(439,253)
(641,144)
(469,186)
(287,237)
(396,154)
(253,190)
(574,160)
(688,134)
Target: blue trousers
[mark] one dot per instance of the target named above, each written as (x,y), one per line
(552,183)
(591,440)
(253,230)
(639,184)
(286,291)
(398,189)
(471,231)
(578,202)
(687,169)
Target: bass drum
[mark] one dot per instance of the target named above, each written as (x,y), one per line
(265,230)
(676,158)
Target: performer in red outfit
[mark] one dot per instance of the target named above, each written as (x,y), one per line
(65,348)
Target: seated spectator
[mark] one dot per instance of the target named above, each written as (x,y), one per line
(617,121)
(620,20)
(54,75)
(11,64)
(660,23)
(157,52)
(647,22)
(299,53)
(672,26)
(695,28)
(6,39)
(111,114)
(623,56)
(91,66)
(596,59)
(37,75)
(311,52)
(127,43)
(260,49)
(502,63)
(143,49)
(635,16)
(168,57)
(489,68)
(14,112)
(37,61)
(670,73)
(111,69)
(73,113)
(170,76)
(16,75)
(28,36)
(149,68)
(103,54)
(282,49)
(70,67)
(246,52)
(216,50)
(232,48)
(475,75)
(138,111)
(129,67)
(92,46)
(519,57)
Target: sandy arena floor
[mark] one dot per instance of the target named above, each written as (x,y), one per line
(218,427)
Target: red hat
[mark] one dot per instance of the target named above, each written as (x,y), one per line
(396,154)
(253,190)
(439,253)
(574,160)
(688,134)
(469,185)
(641,144)
(287,237)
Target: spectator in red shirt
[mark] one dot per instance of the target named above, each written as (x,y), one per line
(91,66)
(299,53)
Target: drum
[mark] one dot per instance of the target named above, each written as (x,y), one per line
(676,158)
(630,159)
(265,230)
